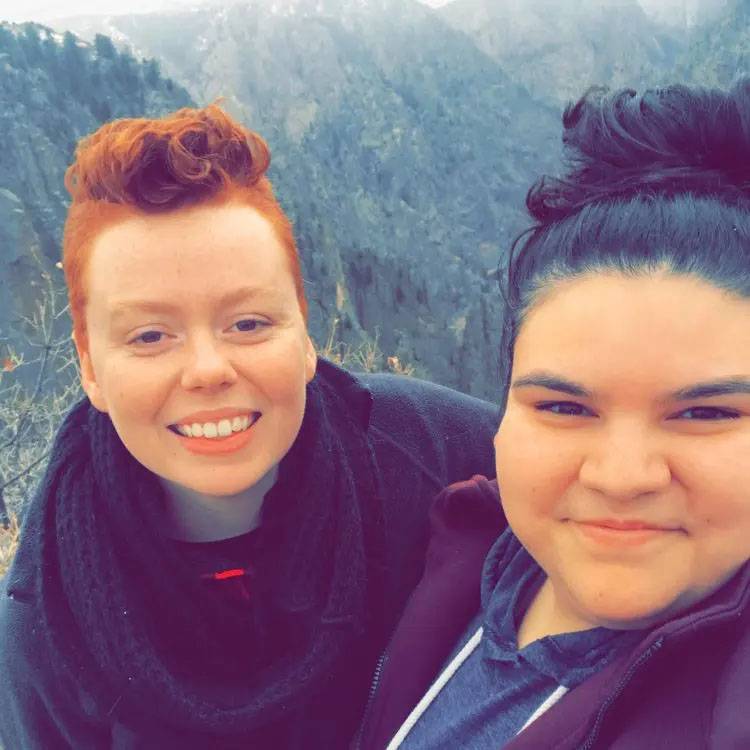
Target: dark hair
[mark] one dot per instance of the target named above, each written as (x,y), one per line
(659,180)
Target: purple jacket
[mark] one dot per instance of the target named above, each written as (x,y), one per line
(686,685)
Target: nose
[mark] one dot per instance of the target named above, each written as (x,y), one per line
(625,463)
(207,365)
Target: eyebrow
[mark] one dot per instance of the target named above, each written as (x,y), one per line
(712,388)
(708,389)
(125,306)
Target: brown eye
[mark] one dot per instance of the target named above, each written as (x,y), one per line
(148,337)
(248,325)
(564,408)
(706,413)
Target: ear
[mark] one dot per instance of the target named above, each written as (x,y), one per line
(88,378)
(311,359)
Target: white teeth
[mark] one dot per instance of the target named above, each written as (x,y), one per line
(223,428)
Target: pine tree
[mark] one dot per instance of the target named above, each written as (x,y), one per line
(104,47)
(74,61)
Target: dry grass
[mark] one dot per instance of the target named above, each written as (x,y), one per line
(367,357)
(37,388)
(8,544)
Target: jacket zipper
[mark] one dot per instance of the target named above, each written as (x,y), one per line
(374,684)
(627,677)
(371,696)
(357,744)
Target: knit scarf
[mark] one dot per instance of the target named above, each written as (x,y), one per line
(145,641)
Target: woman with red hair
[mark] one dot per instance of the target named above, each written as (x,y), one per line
(228,526)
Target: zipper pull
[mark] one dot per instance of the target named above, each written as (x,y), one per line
(239,578)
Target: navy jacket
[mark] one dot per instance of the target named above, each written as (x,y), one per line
(423,435)
(684,686)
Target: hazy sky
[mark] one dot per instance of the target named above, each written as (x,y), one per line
(44,10)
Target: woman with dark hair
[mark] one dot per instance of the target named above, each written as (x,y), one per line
(612,611)
(228,527)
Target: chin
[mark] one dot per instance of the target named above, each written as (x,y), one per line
(218,485)
(628,621)
(221,489)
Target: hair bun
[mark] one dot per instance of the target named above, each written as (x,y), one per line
(665,141)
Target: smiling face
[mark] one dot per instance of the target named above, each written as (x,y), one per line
(623,457)
(197,348)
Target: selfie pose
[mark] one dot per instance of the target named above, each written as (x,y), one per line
(228,527)
(612,609)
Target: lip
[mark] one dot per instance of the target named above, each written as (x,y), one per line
(627,525)
(217,446)
(617,533)
(214,415)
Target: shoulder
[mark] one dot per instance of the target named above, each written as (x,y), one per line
(38,708)
(22,656)
(471,502)
(692,687)
(465,520)
(434,425)
(444,434)
(730,719)
(21,644)
(396,393)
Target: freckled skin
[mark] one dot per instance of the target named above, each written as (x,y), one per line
(628,453)
(191,259)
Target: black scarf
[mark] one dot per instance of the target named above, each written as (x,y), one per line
(148,643)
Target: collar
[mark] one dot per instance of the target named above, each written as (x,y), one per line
(510,579)
(508,561)
(730,603)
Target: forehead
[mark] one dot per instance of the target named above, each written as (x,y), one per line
(662,328)
(198,248)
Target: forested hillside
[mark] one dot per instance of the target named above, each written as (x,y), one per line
(54,89)
(720,51)
(403,138)
(401,151)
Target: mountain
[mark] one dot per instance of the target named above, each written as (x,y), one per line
(403,139)
(400,150)
(719,52)
(54,89)
(557,50)
(684,14)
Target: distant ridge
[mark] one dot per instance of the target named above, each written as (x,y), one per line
(403,138)
(401,151)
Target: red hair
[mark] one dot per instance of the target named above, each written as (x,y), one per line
(137,166)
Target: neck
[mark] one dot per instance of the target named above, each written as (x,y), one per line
(545,617)
(194,517)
